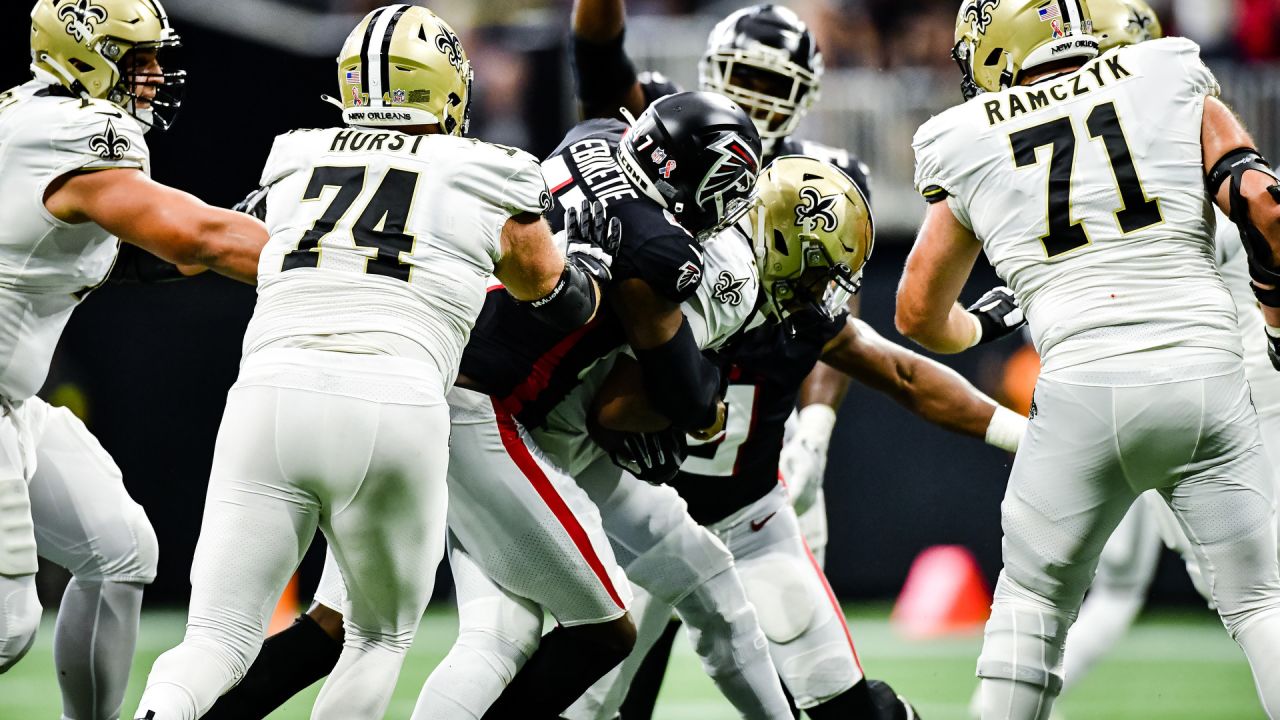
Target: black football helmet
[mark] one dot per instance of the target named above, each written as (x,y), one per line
(766,59)
(697,155)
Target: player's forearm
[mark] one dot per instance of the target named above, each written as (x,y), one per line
(229,244)
(824,386)
(946,334)
(604,77)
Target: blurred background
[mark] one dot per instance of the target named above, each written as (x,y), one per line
(149,367)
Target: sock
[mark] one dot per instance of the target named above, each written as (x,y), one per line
(852,704)
(290,661)
(643,694)
(97,626)
(566,663)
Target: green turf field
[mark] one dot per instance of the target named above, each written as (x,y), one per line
(1173,666)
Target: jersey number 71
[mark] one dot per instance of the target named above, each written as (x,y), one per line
(1138,211)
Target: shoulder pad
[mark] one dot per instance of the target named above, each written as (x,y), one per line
(97,135)
(672,264)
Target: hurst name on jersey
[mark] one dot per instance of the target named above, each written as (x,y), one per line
(1074,185)
(375,231)
(48,266)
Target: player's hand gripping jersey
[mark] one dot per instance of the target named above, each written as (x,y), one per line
(410,223)
(530,367)
(1090,225)
(47,266)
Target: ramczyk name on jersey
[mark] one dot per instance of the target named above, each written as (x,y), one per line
(365,141)
(1097,74)
(594,159)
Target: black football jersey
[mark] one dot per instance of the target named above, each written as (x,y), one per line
(765,368)
(530,366)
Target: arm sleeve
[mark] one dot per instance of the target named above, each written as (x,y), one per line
(680,381)
(601,71)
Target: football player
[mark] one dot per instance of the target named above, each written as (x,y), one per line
(1128,560)
(812,231)
(525,537)
(1104,160)
(382,235)
(75,181)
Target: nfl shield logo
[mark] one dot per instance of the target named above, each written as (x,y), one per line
(397,97)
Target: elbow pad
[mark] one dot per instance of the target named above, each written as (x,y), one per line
(602,72)
(682,384)
(570,304)
(1262,263)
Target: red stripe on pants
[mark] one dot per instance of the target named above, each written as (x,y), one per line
(524,460)
(844,624)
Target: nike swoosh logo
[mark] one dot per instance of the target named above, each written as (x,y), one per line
(109,114)
(756,525)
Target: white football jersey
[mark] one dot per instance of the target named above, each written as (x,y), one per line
(48,266)
(722,305)
(379,233)
(1087,192)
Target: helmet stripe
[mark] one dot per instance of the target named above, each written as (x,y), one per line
(384,55)
(1071,12)
(364,48)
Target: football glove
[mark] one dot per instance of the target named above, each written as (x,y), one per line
(652,457)
(803,462)
(254,204)
(593,239)
(998,314)
(1273,348)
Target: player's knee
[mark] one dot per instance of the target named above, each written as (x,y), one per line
(126,551)
(1024,643)
(19,622)
(681,562)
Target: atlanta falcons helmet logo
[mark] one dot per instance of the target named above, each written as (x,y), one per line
(734,169)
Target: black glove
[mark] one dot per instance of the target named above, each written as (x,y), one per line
(135,266)
(998,313)
(254,204)
(652,457)
(1273,350)
(593,239)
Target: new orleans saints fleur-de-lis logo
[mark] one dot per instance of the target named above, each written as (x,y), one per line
(110,145)
(448,44)
(979,14)
(82,16)
(815,208)
(728,289)
(1140,23)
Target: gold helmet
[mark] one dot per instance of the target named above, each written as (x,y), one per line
(812,232)
(1123,22)
(997,41)
(403,65)
(96,48)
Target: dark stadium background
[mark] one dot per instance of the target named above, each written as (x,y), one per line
(154,363)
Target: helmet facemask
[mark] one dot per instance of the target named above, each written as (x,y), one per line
(774,91)
(148,90)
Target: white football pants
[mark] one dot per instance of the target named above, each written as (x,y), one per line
(809,641)
(62,498)
(1128,564)
(354,444)
(1090,450)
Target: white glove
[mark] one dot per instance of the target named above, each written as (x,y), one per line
(804,456)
